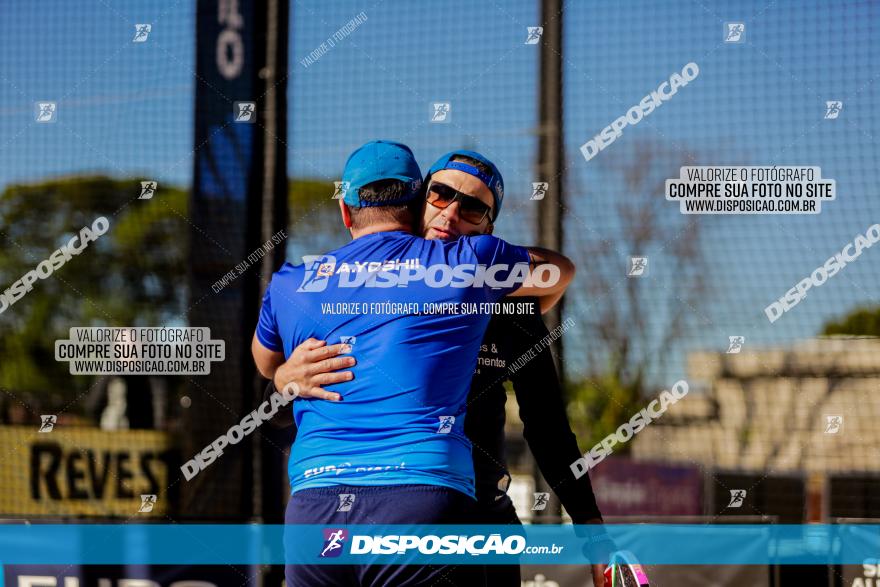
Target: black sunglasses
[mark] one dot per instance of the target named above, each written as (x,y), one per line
(471,208)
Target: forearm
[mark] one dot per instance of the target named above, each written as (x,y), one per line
(555,448)
(547,287)
(546,303)
(546,427)
(266,360)
(284,417)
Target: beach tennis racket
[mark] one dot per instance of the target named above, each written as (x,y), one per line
(624,570)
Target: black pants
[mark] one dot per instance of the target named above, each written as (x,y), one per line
(499,511)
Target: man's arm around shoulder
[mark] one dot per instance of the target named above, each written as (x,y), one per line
(549,272)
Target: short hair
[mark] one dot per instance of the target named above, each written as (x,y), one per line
(384,190)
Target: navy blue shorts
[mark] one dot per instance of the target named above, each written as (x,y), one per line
(394,504)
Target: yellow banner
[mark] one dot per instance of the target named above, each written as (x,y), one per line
(85,472)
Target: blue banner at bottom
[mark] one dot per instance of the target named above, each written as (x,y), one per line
(664,544)
(127,575)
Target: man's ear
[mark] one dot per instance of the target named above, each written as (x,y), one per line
(489,228)
(346,214)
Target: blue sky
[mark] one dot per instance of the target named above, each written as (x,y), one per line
(127,109)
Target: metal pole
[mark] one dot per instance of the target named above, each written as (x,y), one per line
(269,474)
(550,140)
(550,167)
(275,75)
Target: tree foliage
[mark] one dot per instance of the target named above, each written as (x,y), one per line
(859,322)
(631,324)
(134,275)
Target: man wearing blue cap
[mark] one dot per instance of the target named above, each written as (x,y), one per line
(463,197)
(463,176)
(394,451)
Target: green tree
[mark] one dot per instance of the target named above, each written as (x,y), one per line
(859,322)
(631,325)
(134,275)
(315,225)
(598,405)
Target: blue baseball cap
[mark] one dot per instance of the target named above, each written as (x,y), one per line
(378,160)
(493,181)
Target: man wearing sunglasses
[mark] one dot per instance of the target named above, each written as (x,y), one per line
(463,195)
(395,450)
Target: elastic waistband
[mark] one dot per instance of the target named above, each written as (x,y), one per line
(376,490)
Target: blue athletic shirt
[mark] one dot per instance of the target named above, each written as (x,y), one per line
(413,371)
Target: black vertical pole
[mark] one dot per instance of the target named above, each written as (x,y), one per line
(270,499)
(225,214)
(269,484)
(550,169)
(550,139)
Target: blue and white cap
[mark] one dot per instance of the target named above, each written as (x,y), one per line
(378,160)
(494,181)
